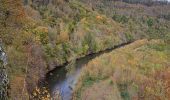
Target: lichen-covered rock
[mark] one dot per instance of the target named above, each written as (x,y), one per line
(3,83)
(3,76)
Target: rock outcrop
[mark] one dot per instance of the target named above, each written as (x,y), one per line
(3,76)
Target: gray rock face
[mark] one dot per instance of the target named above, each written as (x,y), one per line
(3,76)
(3,57)
(3,84)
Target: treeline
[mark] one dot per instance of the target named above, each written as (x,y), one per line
(148,2)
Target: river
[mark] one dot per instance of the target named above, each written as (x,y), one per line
(64,78)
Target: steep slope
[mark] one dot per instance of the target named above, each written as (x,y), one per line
(41,34)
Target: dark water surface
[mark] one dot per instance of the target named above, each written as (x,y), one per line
(64,78)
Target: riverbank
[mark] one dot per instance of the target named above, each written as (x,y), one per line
(64,78)
(109,49)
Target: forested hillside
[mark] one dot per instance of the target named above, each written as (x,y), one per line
(40,35)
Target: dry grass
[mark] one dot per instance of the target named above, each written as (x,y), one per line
(18,92)
(102,91)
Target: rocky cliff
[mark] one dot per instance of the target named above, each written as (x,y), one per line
(4,82)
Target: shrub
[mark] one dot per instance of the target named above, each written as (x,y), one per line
(49,50)
(158,47)
(166,16)
(41,35)
(129,36)
(167,38)
(66,50)
(123,88)
(85,48)
(90,41)
(71,26)
(88,81)
(120,18)
(150,22)
(59,53)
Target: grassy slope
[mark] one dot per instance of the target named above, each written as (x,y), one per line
(137,71)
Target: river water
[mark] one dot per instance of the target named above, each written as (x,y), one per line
(64,78)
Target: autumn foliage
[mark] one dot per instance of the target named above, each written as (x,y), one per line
(136,71)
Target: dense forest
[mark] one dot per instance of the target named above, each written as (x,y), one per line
(38,36)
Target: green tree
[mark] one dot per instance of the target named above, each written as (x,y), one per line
(150,22)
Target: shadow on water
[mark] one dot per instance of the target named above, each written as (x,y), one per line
(62,80)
